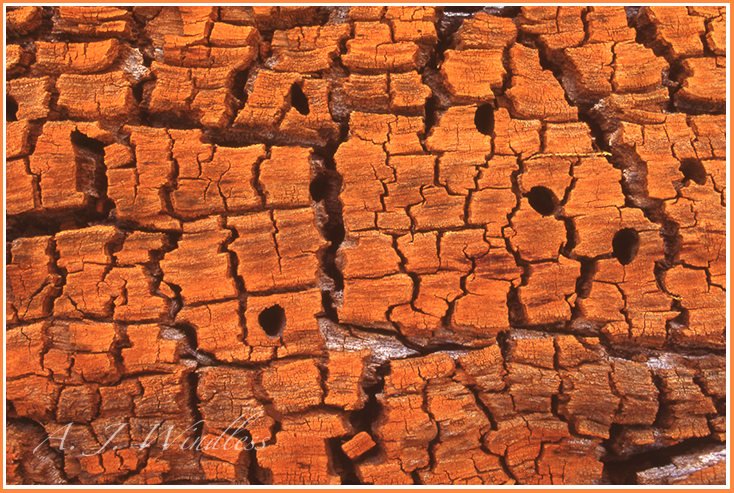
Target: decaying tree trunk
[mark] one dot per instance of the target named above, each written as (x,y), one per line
(381,245)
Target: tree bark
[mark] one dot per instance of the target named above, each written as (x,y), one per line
(366,245)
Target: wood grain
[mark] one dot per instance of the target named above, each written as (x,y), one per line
(366,245)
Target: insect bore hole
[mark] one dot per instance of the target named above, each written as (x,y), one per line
(625,245)
(319,188)
(299,100)
(693,170)
(484,119)
(11,109)
(542,200)
(272,320)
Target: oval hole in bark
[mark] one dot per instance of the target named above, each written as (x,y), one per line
(11,109)
(484,119)
(693,170)
(542,200)
(625,244)
(272,320)
(319,187)
(299,100)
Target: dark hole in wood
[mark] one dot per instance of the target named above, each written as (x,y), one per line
(484,119)
(238,86)
(92,145)
(542,200)
(299,100)
(319,188)
(693,170)
(90,174)
(138,92)
(625,244)
(11,109)
(272,320)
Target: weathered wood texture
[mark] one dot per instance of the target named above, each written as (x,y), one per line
(381,245)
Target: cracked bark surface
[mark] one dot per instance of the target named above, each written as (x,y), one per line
(366,245)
